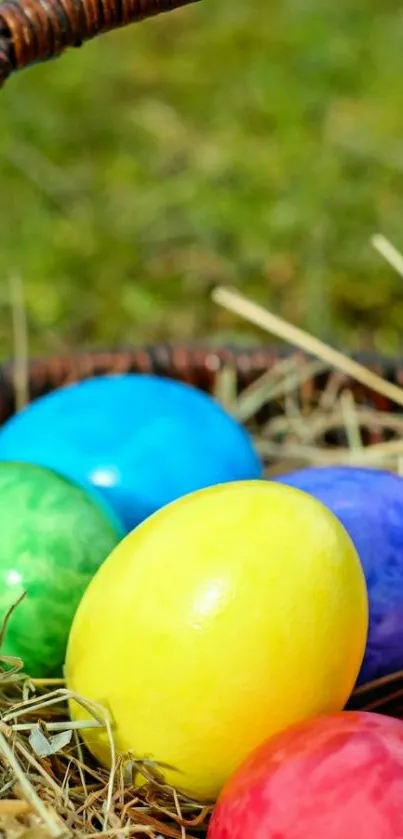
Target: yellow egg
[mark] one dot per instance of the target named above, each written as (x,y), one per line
(223,618)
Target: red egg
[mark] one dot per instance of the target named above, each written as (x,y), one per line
(333,777)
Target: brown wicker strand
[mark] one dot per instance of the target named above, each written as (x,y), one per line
(32,31)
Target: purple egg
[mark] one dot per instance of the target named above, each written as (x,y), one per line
(369,503)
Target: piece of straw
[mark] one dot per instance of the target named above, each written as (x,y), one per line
(31,796)
(237,303)
(389,252)
(350,419)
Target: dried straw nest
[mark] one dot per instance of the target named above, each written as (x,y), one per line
(302,411)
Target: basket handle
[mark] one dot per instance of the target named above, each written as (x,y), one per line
(32,31)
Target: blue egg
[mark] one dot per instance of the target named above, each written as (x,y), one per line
(369,503)
(141,440)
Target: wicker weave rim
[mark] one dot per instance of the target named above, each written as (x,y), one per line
(33,31)
(197,365)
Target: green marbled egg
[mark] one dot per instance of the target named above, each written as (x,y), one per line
(53,537)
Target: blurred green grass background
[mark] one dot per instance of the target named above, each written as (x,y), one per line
(254,143)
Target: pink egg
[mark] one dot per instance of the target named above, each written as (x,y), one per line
(332,777)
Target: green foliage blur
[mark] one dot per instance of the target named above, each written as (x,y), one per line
(248,142)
